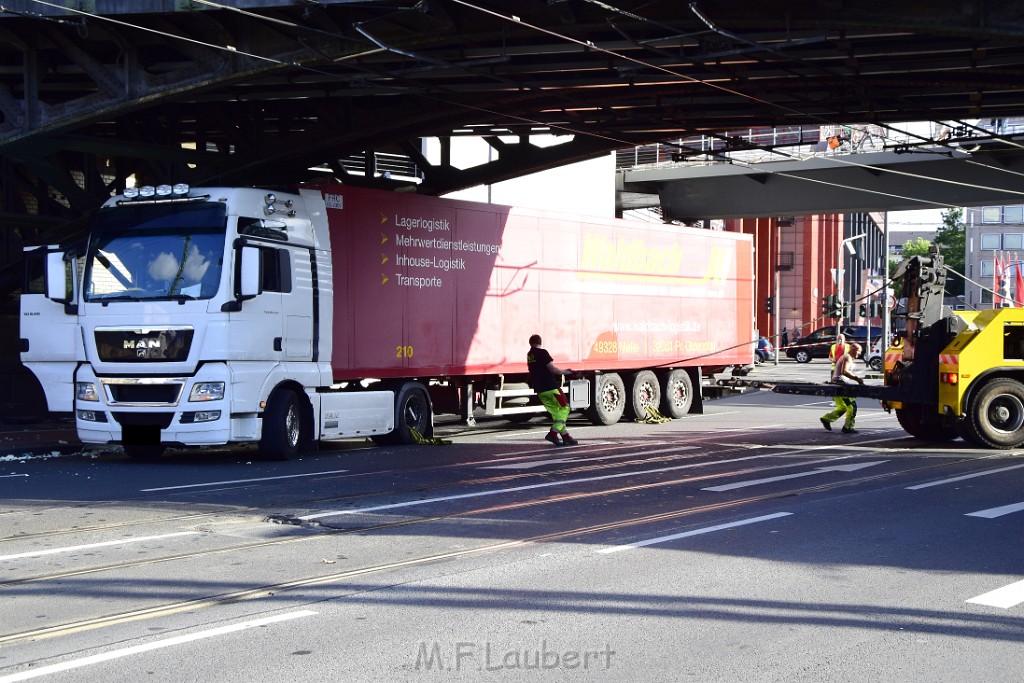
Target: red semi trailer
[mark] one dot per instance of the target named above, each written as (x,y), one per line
(225,315)
(451,291)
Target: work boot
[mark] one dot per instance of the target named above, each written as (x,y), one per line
(552,436)
(567,440)
(826,424)
(848,430)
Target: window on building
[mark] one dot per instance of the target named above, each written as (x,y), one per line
(986,297)
(1013,214)
(991,241)
(992,214)
(1013,240)
(988,268)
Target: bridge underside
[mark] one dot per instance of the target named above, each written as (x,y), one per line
(925,177)
(259,92)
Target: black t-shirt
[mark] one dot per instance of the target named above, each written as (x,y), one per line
(541,379)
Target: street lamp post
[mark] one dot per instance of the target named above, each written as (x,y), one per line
(848,245)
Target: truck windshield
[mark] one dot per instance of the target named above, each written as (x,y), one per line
(161,251)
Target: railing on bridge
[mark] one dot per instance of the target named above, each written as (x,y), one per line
(754,145)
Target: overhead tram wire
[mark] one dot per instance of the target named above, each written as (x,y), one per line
(752,98)
(528,120)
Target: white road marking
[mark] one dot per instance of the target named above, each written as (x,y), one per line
(148,647)
(953,480)
(992,513)
(242,481)
(608,446)
(73,548)
(1005,597)
(528,487)
(635,454)
(695,532)
(527,465)
(8,476)
(818,470)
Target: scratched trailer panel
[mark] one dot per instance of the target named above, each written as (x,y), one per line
(431,287)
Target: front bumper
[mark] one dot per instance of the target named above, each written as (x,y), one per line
(161,403)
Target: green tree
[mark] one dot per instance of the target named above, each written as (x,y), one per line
(950,238)
(918,246)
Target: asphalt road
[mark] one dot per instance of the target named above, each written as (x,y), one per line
(744,544)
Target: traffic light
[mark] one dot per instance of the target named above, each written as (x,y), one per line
(828,305)
(863,310)
(769,305)
(876,309)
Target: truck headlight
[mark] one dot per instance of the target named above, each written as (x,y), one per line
(86,391)
(207,391)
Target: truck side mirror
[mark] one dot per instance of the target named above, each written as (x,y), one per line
(249,284)
(56,278)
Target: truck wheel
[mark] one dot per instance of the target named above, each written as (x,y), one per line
(645,393)
(876,364)
(412,411)
(609,399)
(995,416)
(802,356)
(924,422)
(676,394)
(282,426)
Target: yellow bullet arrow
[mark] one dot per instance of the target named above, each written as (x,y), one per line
(383,259)
(383,279)
(383,238)
(383,218)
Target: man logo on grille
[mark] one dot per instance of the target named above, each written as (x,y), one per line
(141,344)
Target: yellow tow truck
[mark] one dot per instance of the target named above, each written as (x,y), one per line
(948,374)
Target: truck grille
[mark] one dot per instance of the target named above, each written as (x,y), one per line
(165,394)
(143,346)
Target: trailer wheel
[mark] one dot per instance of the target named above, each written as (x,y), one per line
(924,422)
(802,356)
(995,416)
(676,394)
(645,393)
(876,364)
(412,411)
(609,399)
(282,426)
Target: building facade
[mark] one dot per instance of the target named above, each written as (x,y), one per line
(795,263)
(994,240)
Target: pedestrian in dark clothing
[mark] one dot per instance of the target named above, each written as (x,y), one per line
(546,380)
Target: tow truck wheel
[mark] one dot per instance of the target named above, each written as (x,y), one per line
(282,426)
(646,393)
(802,356)
(924,422)
(609,399)
(995,416)
(676,394)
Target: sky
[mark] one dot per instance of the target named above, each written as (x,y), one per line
(914,221)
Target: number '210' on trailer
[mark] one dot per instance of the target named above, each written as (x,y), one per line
(209,316)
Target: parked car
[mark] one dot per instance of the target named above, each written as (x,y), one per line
(764,351)
(818,343)
(874,357)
